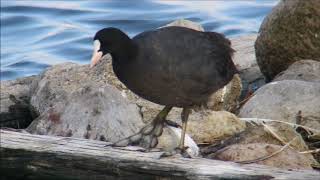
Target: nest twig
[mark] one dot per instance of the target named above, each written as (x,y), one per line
(267,156)
(310,151)
(261,120)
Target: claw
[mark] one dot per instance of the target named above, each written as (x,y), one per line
(146,140)
(154,142)
(147,129)
(147,137)
(121,143)
(158,130)
(135,138)
(172,123)
(176,151)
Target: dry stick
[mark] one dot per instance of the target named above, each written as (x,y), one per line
(275,135)
(267,156)
(310,151)
(282,141)
(271,120)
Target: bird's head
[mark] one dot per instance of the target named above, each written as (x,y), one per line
(108,40)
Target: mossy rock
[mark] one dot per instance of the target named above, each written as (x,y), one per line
(288,34)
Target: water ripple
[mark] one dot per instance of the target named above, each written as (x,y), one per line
(37,34)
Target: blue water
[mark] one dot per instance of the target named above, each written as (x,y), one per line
(36,34)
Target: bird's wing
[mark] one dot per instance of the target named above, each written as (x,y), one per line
(195,61)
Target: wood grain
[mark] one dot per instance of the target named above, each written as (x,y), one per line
(38,157)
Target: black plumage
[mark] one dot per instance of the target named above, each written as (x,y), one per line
(171,66)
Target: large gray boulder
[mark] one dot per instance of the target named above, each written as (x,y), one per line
(77,101)
(282,100)
(288,34)
(74,101)
(304,70)
(244,57)
(58,81)
(93,111)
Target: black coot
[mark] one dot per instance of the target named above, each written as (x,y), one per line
(171,66)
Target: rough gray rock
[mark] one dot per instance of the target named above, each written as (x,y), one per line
(288,34)
(15,111)
(58,81)
(92,111)
(282,100)
(186,23)
(244,57)
(212,126)
(264,134)
(75,100)
(227,97)
(304,70)
(288,159)
(245,61)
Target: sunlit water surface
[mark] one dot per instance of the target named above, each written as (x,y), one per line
(36,34)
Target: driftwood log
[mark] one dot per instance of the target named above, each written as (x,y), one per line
(27,156)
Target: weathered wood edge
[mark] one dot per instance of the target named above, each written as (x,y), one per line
(63,155)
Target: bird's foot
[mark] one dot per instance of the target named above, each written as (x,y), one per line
(147,137)
(177,151)
(172,123)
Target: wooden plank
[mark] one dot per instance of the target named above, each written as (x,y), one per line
(39,157)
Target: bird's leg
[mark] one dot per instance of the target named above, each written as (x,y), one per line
(181,149)
(184,118)
(147,137)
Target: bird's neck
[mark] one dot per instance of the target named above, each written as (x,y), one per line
(121,63)
(125,54)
